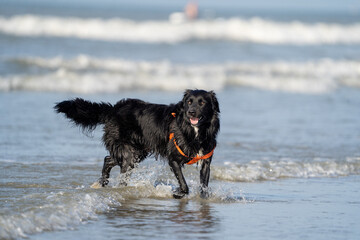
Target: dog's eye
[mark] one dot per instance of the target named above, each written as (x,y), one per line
(201,103)
(189,102)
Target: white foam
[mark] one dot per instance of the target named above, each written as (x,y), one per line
(157,181)
(68,209)
(85,74)
(271,170)
(63,211)
(234,29)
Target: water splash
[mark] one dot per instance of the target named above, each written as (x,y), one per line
(64,210)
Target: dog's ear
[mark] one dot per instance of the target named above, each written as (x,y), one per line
(214,101)
(186,94)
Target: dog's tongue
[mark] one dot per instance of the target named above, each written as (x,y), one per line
(194,121)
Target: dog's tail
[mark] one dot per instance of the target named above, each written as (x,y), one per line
(84,113)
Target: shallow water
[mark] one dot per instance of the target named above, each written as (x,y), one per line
(265,184)
(313,210)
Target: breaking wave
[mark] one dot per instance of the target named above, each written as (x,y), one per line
(63,210)
(274,170)
(85,74)
(70,207)
(255,30)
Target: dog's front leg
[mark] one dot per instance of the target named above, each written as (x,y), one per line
(183,189)
(204,178)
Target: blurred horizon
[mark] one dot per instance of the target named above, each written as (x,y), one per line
(109,46)
(351,7)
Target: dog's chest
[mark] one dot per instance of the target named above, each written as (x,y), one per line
(200,153)
(196,130)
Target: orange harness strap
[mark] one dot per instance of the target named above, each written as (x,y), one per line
(193,160)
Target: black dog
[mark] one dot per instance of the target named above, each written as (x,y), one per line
(183,133)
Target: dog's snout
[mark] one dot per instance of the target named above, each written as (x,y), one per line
(192,112)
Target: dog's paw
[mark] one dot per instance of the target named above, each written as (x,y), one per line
(100,183)
(178,194)
(122,183)
(204,193)
(96,185)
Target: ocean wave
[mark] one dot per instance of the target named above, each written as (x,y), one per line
(71,207)
(274,170)
(62,211)
(68,210)
(85,74)
(255,30)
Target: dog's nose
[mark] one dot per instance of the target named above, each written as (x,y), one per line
(192,112)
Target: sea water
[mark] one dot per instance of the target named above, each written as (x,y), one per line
(287,77)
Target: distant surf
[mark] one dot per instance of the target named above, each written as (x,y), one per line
(255,30)
(275,170)
(86,74)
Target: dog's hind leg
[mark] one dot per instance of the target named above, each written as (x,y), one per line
(125,172)
(109,163)
(131,157)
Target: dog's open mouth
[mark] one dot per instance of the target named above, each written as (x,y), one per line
(194,121)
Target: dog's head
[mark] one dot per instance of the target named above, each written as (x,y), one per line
(200,106)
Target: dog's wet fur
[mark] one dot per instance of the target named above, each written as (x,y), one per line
(134,129)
